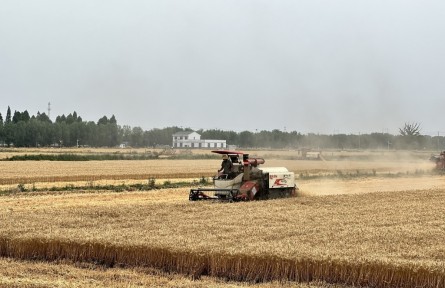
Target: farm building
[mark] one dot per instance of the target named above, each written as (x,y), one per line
(193,140)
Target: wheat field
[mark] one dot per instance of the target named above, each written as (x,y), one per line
(360,231)
(364,239)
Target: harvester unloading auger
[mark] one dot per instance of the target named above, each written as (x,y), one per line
(245,181)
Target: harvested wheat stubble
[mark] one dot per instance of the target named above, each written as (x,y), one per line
(368,185)
(61,171)
(381,239)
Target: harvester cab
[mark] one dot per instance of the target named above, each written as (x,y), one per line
(246,181)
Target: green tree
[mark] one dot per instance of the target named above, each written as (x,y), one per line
(43,117)
(103,121)
(113,129)
(137,137)
(8,116)
(19,134)
(16,117)
(1,129)
(33,137)
(410,137)
(113,120)
(60,119)
(410,129)
(63,136)
(246,139)
(70,119)
(77,132)
(8,133)
(162,136)
(126,133)
(103,139)
(91,134)
(76,117)
(25,116)
(20,116)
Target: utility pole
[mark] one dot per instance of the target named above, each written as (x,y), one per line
(49,109)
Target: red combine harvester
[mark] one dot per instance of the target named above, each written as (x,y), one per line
(439,160)
(246,181)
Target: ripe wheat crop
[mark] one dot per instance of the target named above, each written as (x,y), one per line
(375,239)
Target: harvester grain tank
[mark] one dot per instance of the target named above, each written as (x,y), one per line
(246,181)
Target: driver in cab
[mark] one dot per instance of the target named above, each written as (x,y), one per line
(226,167)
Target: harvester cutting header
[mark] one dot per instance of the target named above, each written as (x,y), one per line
(241,179)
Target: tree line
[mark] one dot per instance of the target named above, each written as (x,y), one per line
(20,129)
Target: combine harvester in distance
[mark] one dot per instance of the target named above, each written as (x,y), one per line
(246,181)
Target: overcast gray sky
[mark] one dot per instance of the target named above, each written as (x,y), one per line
(344,66)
